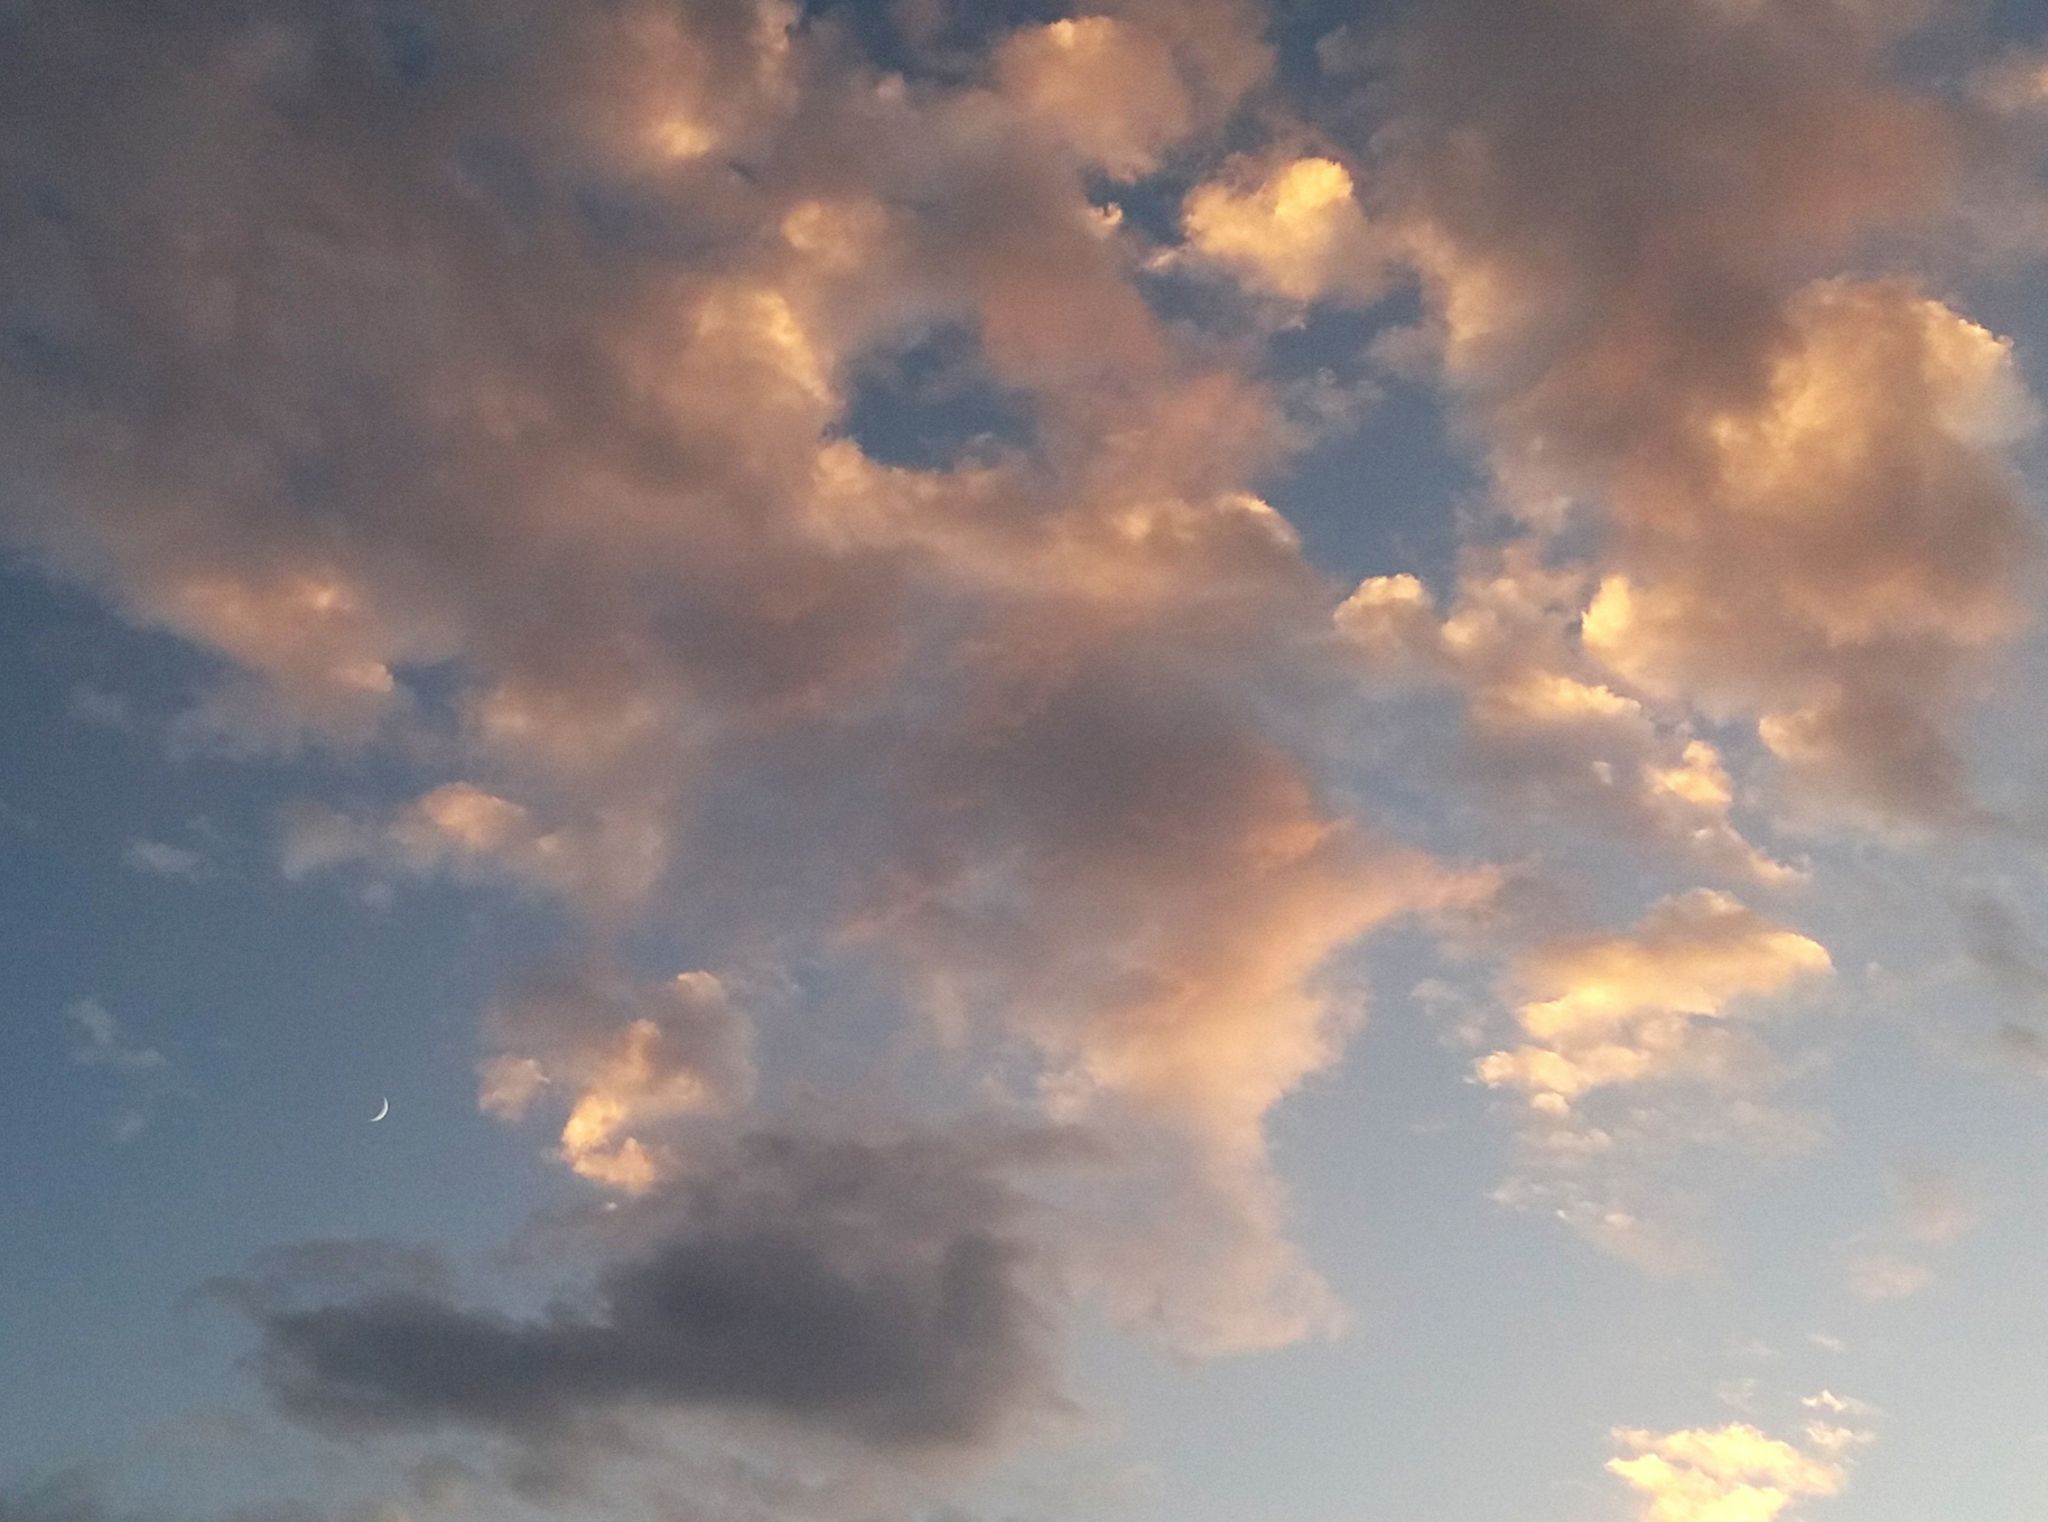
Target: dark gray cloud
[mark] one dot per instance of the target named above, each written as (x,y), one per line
(73,1496)
(880,1290)
(301,1273)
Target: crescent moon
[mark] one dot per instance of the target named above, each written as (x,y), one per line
(386,1110)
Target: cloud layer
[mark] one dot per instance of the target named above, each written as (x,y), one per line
(516,404)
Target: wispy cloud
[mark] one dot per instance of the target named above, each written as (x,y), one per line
(1932,1210)
(160,858)
(102,1043)
(146,1074)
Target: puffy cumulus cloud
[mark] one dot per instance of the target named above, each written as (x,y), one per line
(1599,263)
(881,1290)
(259,510)
(1622,1035)
(1123,83)
(1040,881)
(1620,1009)
(1692,954)
(1546,723)
(1105,86)
(494,400)
(626,1058)
(1855,537)
(1394,619)
(1810,518)
(1160,955)
(1292,229)
(1735,491)
(1166,956)
(1729,1474)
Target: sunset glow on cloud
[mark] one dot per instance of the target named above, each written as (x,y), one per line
(811,762)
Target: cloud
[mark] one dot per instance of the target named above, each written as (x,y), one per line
(1547,729)
(98,707)
(609,856)
(160,858)
(1637,1049)
(1878,1277)
(70,1497)
(1171,964)
(2000,948)
(1809,518)
(1837,1405)
(679,624)
(101,1042)
(1931,1211)
(74,1497)
(502,422)
(2023,1047)
(495,409)
(881,1290)
(1620,1009)
(1166,957)
(1292,230)
(626,1058)
(1107,87)
(1865,630)
(1831,1436)
(1936,1208)
(1730,1474)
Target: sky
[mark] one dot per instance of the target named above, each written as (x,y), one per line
(1008,761)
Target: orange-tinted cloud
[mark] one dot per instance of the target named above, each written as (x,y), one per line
(1727,1474)
(1606,1010)
(510,422)
(1545,719)
(1811,522)
(624,1059)
(1292,229)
